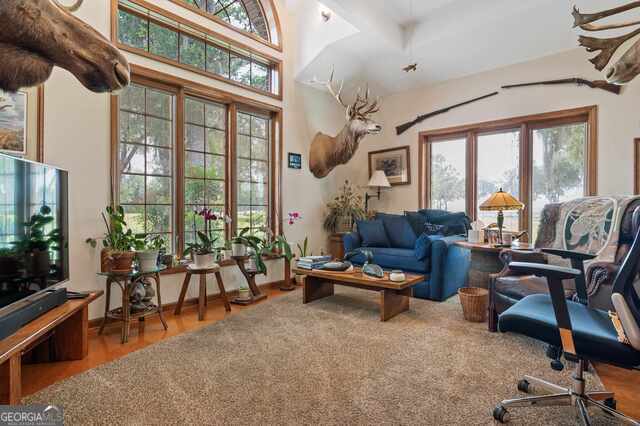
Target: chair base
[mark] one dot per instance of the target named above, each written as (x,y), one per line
(558,396)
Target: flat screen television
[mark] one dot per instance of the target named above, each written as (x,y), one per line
(34,231)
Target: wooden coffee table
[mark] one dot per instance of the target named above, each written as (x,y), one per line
(394,297)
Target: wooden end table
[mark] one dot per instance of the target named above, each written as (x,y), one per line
(202,293)
(126,283)
(394,297)
(485,261)
(250,276)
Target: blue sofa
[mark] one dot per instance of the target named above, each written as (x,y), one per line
(445,266)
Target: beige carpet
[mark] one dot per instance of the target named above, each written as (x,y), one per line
(329,362)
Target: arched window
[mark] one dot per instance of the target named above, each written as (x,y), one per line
(246,15)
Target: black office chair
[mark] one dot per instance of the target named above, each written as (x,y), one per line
(584,334)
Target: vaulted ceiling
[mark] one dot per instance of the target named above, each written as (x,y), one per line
(372,40)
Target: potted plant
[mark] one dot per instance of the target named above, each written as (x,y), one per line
(244,292)
(344,210)
(37,242)
(225,251)
(149,255)
(303,251)
(203,249)
(240,243)
(119,242)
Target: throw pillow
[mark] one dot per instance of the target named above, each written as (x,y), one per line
(433,229)
(417,221)
(372,233)
(399,230)
(456,223)
(422,248)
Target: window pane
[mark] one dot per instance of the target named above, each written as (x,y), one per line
(499,167)
(215,192)
(240,70)
(215,116)
(558,166)
(133,99)
(216,141)
(238,16)
(163,41)
(132,30)
(244,146)
(448,175)
(259,149)
(259,171)
(159,161)
(194,111)
(195,138)
(194,191)
(159,104)
(194,165)
(159,132)
(131,158)
(260,76)
(217,60)
(131,189)
(158,190)
(215,167)
(131,127)
(192,51)
(134,216)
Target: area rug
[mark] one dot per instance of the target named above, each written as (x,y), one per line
(329,362)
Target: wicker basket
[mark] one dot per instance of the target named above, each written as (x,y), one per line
(475,302)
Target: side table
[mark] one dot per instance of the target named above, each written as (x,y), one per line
(127,283)
(250,276)
(202,294)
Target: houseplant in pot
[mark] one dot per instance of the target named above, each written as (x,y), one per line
(148,256)
(203,249)
(344,210)
(37,242)
(240,243)
(119,242)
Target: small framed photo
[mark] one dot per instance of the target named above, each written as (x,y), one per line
(13,123)
(295,161)
(395,162)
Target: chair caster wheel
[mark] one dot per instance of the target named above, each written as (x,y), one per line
(557,365)
(611,403)
(501,414)
(524,386)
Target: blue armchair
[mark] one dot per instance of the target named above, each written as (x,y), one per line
(445,266)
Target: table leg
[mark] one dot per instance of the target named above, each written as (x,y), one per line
(126,313)
(106,306)
(223,292)
(315,289)
(202,296)
(11,381)
(393,302)
(156,277)
(183,293)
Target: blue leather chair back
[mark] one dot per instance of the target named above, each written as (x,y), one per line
(624,282)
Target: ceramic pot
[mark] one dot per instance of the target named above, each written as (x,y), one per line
(238,250)
(121,261)
(244,294)
(227,254)
(204,261)
(147,260)
(251,264)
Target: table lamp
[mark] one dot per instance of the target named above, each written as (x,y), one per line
(501,201)
(378,180)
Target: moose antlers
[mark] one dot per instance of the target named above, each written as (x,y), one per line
(628,67)
(361,106)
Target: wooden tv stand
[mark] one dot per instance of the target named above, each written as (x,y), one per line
(64,329)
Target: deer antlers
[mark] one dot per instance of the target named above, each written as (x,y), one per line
(360,107)
(74,7)
(628,67)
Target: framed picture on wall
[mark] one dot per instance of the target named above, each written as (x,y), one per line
(395,162)
(13,123)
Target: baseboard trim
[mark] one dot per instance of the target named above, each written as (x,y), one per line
(169,307)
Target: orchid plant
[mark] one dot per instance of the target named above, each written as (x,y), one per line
(205,240)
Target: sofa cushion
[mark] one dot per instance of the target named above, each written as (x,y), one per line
(456,223)
(417,221)
(399,230)
(395,258)
(430,214)
(372,233)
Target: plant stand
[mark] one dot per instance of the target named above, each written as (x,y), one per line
(202,294)
(287,284)
(127,282)
(250,276)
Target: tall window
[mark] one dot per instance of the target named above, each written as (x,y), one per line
(448,175)
(246,15)
(205,163)
(541,159)
(146,160)
(253,172)
(149,33)
(559,163)
(499,167)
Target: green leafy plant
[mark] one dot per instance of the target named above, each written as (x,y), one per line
(36,238)
(281,245)
(118,237)
(155,242)
(347,204)
(205,240)
(303,249)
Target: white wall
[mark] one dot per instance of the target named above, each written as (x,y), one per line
(77,138)
(618,119)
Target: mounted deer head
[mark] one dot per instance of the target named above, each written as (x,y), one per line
(628,66)
(37,35)
(328,152)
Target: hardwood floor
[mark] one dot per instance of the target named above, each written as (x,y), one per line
(107,348)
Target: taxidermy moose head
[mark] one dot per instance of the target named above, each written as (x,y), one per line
(628,66)
(37,35)
(328,152)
